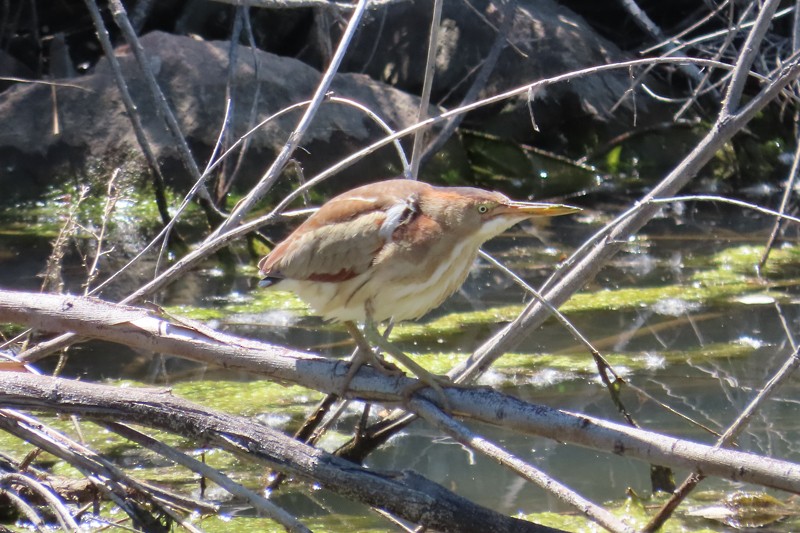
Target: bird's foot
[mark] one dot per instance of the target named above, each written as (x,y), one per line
(425,378)
(373,360)
(434,381)
(386,368)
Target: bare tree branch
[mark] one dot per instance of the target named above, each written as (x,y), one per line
(403,494)
(135,327)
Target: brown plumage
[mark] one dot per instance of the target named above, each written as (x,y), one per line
(392,249)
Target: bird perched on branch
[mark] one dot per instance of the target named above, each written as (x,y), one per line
(393,249)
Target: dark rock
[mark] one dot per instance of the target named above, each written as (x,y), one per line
(96,134)
(546,39)
(11,68)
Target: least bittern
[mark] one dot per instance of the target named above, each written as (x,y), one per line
(391,250)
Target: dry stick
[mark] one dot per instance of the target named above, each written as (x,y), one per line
(462,434)
(97,470)
(252,117)
(198,185)
(688,485)
(269,178)
(729,35)
(230,87)
(686,31)
(214,243)
(261,504)
(112,196)
(427,83)
(130,108)
(22,505)
(162,107)
(730,29)
(719,51)
(787,192)
(650,27)
(405,494)
(732,101)
(500,40)
(53,501)
(725,200)
(141,330)
(590,258)
(603,367)
(586,262)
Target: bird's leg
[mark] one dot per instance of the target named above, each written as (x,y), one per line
(432,380)
(364,354)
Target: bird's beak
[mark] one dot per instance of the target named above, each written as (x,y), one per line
(535,209)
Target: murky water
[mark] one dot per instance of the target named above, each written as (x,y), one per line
(704,354)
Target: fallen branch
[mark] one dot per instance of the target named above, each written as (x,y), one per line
(138,328)
(404,494)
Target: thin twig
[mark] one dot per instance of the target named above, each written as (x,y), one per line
(261,504)
(185,153)
(130,108)
(460,433)
(487,67)
(427,83)
(733,97)
(271,175)
(63,515)
(788,189)
(112,195)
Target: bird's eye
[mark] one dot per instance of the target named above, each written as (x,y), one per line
(483,209)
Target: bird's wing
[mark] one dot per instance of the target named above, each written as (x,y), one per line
(341,240)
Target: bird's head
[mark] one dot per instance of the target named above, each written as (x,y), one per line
(484,214)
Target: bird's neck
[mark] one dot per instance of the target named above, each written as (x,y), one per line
(448,213)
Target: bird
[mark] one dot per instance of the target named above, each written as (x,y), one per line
(391,250)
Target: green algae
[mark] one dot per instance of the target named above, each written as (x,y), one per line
(724,275)
(723,278)
(249,398)
(135,204)
(257,302)
(581,363)
(743,260)
(628,298)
